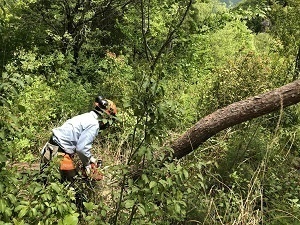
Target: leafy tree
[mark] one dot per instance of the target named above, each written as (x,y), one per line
(285,19)
(280,18)
(167,64)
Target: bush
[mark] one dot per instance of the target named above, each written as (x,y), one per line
(32,202)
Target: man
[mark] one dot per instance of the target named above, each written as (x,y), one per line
(76,136)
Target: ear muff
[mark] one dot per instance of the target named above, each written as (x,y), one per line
(103,103)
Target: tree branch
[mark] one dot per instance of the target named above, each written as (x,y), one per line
(234,114)
(170,36)
(297,65)
(144,31)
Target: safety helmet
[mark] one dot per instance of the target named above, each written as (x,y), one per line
(105,105)
(111,108)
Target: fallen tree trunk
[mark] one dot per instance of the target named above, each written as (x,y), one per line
(234,114)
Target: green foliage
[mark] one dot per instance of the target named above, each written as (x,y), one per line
(156,198)
(280,18)
(34,203)
(196,66)
(144,32)
(286,23)
(31,91)
(247,76)
(207,16)
(55,56)
(107,75)
(153,116)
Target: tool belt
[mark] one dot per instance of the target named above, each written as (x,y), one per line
(51,149)
(66,164)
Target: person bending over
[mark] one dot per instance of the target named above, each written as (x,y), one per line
(76,136)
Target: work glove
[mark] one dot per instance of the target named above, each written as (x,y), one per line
(92,170)
(93,160)
(97,162)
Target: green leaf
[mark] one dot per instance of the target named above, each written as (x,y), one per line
(48,212)
(19,207)
(34,212)
(2,136)
(177,208)
(126,104)
(8,212)
(2,205)
(60,209)
(89,205)
(37,189)
(12,198)
(55,187)
(1,185)
(129,203)
(163,183)
(145,178)
(22,108)
(103,213)
(71,219)
(186,174)
(4,75)
(141,208)
(152,184)
(23,212)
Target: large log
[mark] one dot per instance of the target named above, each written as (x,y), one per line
(234,114)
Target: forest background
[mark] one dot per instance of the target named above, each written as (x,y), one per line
(166,64)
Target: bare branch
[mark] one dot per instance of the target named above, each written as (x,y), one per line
(145,30)
(297,65)
(234,114)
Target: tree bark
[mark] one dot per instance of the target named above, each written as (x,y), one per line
(234,114)
(297,65)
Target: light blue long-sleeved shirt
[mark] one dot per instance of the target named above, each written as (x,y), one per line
(77,135)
